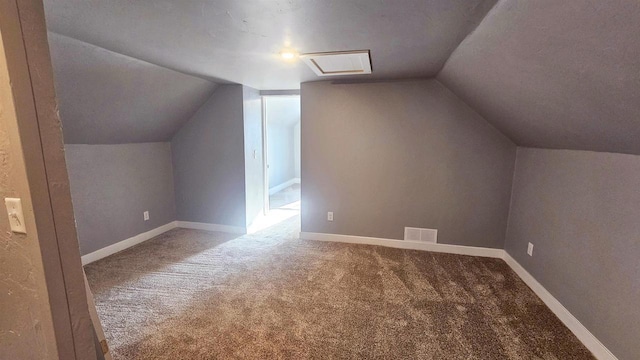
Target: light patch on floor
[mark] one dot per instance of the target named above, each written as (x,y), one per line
(284,205)
(190,294)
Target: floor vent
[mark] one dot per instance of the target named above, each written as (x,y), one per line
(422,235)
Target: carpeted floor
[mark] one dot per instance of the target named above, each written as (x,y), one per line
(190,294)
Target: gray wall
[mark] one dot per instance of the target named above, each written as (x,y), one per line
(254,185)
(281,154)
(109,98)
(383,156)
(112,185)
(581,210)
(555,74)
(208,161)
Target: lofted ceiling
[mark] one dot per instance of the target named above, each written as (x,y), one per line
(108,98)
(555,74)
(550,74)
(239,41)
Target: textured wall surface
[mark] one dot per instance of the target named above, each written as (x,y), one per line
(383,156)
(26,327)
(108,98)
(208,161)
(111,187)
(555,74)
(580,210)
(253,175)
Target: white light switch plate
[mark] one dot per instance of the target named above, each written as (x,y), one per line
(330,216)
(16,217)
(145,215)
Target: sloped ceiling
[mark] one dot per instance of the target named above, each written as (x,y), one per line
(239,41)
(555,74)
(547,73)
(108,98)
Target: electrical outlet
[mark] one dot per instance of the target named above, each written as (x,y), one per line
(330,216)
(146,215)
(530,249)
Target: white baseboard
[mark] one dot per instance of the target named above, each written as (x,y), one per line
(127,243)
(571,322)
(405,244)
(580,331)
(284,185)
(212,227)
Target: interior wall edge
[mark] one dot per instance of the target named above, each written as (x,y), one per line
(208,164)
(134,57)
(597,348)
(578,208)
(467,36)
(127,243)
(455,94)
(125,180)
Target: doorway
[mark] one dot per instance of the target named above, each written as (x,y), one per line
(282,152)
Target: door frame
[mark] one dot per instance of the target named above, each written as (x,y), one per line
(265,95)
(38,139)
(265,157)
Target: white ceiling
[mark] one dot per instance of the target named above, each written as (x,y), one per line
(239,41)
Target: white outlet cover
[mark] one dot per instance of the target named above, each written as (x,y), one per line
(330,216)
(16,217)
(146,215)
(530,249)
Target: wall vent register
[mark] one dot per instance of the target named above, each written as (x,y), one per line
(422,235)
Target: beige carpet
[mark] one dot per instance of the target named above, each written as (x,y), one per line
(191,294)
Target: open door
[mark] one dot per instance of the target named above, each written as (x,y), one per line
(281,128)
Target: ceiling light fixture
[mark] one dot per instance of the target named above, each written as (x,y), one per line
(288,54)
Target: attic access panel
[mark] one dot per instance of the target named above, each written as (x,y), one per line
(339,62)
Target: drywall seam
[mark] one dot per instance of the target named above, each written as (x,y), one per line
(211,227)
(127,243)
(406,244)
